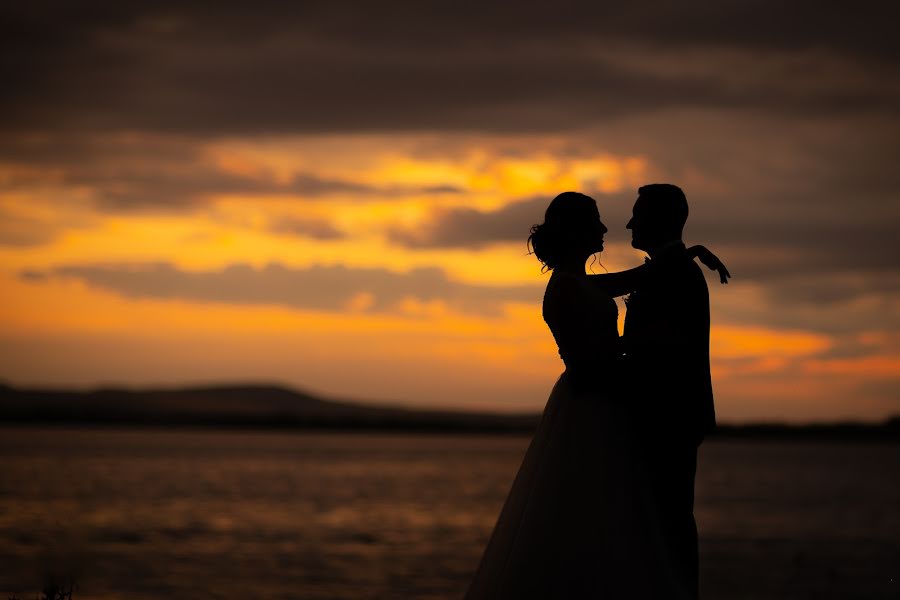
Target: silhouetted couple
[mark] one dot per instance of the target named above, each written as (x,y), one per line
(602,505)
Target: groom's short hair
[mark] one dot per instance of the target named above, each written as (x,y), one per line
(668,202)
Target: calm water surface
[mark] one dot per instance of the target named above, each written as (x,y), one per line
(196,514)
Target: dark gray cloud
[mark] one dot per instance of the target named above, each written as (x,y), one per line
(838,289)
(21,228)
(317,287)
(472,228)
(400,65)
(149,186)
(18,231)
(315,228)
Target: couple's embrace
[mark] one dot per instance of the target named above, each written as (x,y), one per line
(602,505)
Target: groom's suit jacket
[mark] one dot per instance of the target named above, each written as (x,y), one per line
(666,345)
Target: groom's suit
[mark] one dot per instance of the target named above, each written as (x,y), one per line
(666,343)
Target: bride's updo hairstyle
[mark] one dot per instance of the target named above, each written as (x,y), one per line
(553,240)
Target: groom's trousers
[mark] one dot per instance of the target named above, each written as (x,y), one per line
(672,469)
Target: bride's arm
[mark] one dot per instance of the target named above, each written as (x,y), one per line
(711,261)
(625,282)
(622,282)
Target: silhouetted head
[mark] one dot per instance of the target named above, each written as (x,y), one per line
(658,217)
(571,231)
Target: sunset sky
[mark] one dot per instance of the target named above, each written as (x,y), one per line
(336,196)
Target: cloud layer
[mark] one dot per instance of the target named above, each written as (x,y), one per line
(324,288)
(277,68)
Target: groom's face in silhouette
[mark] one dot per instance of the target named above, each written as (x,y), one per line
(653,223)
(644,228)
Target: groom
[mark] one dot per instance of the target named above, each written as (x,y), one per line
(666,342)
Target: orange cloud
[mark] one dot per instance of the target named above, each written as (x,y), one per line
(480,168)
(730,342)
(867,366)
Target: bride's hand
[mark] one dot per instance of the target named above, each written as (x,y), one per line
(711,261)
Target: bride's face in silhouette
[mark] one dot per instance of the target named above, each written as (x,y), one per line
(600,231)
(589,237)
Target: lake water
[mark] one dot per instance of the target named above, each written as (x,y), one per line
(201,514)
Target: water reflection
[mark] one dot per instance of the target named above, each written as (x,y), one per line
(146,514)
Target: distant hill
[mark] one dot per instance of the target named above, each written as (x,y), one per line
(889,430)
(252,406)
(273,407)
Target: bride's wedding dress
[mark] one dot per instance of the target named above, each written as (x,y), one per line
(578,522)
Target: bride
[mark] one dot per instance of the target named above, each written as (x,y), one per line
(578,523)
